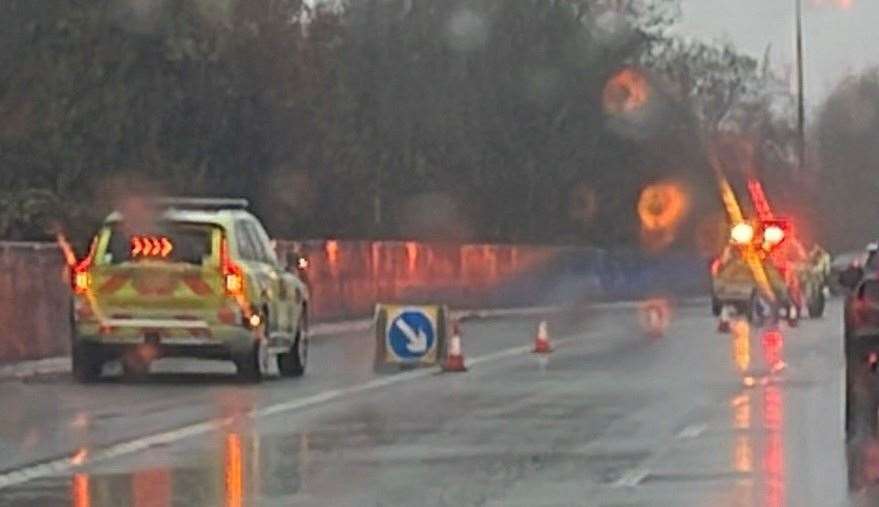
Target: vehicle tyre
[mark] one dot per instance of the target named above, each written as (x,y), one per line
(862,401)
(252,365)
(716,306)
(755,310)
(292,364)
(86,363)
(817,304)
(793,315)
(849,426)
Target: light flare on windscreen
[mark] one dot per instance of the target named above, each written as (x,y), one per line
(836,4)
(654,316)
(661,208)
(625,92)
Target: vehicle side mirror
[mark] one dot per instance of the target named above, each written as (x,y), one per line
(851,276)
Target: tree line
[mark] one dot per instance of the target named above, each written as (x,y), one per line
(492,120)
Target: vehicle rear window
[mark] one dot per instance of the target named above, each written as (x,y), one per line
(168,242)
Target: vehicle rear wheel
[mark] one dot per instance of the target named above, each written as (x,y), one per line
(292,364)
(817,304)
(862,402)
(251,365)
(849,429)
(793,315)
(755,310)
(86,363)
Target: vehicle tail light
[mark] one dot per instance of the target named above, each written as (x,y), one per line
(233,279)
(82,281)
(715,267)
(80,276)
(234,284)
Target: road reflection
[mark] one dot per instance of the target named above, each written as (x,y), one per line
(233,471)
(654,316)
(763,435)
(80,492)
(151,488)
(232,477)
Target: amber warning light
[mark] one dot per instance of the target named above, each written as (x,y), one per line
(151,246)
(742,233)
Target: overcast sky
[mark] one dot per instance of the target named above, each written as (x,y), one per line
(840,35)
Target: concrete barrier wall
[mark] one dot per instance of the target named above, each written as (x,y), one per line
(347,278)
(34,302)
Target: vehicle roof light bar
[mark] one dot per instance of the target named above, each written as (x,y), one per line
(201,203)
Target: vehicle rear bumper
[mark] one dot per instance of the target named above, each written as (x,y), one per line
(110,351)
(223,342)
(738,293)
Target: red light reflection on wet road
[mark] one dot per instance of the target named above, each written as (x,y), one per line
(773,348)
(773,451)
(763,437)
(151,488)
(80,492)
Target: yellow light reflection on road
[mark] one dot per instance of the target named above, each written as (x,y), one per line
(233,471)
(741,345)
(743,448)
(741,406)
(743,456)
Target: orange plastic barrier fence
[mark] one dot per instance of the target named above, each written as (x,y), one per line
(346,278)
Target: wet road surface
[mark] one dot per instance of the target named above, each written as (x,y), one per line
(611,417)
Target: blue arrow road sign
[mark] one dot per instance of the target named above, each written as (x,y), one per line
(411,335)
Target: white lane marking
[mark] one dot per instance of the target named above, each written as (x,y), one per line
(25,369)
(636,475)
(67,465)
(632,478)
(691,431)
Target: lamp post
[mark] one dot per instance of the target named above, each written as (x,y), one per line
(801,108)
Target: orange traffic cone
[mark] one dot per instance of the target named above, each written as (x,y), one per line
(454,360)
(541,341)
